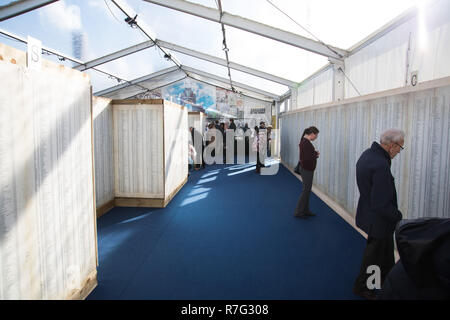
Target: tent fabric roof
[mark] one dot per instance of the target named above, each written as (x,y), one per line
(264,38)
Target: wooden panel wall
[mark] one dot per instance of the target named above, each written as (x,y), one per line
(138,149)
(104,151)
(176,145)
(47,218)
(197,120)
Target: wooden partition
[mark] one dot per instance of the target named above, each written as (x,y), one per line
(104,154)
(150,151)
(48,247)
(197,120)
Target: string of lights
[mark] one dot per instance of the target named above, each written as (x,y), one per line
(225,47)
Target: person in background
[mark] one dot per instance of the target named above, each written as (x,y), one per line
(377,212)
(255,147)
(308,160)
(197,140)
(191,151)
(222,129)
(269,140)
(259,146)
(232,125)
(263,136)
(210,138)
(246,139)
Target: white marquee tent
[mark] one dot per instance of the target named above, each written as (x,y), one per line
(352,68)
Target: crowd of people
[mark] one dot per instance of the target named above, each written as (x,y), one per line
(214,139)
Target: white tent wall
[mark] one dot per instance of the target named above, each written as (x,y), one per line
(421,171)
(430,46)
(48,244)
(419,45)
(379,66)
(104,154)
(317,90)
(422,45)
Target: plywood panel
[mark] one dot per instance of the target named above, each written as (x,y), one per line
(47,218)
(104,151)
(138,150)
(176,145)
(197,120)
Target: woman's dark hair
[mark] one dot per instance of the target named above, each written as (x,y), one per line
(310,130)
(256,128)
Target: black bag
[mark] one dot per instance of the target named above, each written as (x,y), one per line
(417,240)
(297,168)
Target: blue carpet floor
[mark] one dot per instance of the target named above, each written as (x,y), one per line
(228,234)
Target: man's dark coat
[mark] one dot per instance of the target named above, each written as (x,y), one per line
(377,213)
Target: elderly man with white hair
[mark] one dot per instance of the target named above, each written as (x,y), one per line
(377,213)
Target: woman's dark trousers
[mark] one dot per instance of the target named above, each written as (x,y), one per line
(303,202)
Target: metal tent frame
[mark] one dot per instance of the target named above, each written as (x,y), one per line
(335,55)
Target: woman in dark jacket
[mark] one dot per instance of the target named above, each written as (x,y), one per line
(308,159)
